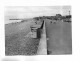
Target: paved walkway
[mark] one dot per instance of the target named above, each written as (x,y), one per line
(42,49)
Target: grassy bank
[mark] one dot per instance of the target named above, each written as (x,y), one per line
(59,34)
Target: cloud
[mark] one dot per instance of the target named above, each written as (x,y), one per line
(25,12)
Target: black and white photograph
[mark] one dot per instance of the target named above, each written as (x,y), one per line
(38,30)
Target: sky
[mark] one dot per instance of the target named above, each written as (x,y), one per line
(13,12)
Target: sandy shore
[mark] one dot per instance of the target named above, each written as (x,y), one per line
(16,42)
